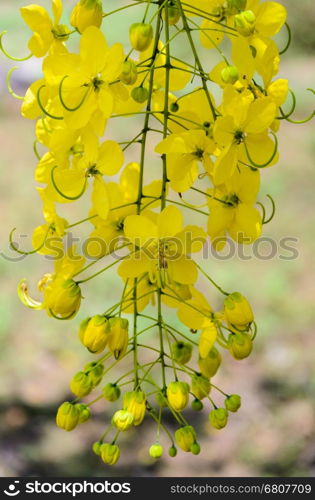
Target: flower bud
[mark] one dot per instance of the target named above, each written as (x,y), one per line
(129,73)
(94,333)
(181,352)
(140,94)
(200,386)
(61,31)
(110,453)
(123,420)
(94,371)
(197,405)
(84,411)
(210,365)
(245,22)
(141,36)
(172,451)
(173,13)
(235,6)
(68,416)
(81,385)
(195,448)
(62,298)
(240,345)
(218,418)
(237,310)
(233,402)
(96,447)
(135,403)
(87,13)
(177,395)
(185,437)
(230,74)
(156,451)
(118,336)
(111,392)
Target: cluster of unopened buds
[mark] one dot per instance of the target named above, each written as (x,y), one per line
(210,149)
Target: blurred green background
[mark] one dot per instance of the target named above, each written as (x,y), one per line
(273,434)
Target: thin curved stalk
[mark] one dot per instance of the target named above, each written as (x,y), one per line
(8,83)
(263,165)
(17,59)
(71,198)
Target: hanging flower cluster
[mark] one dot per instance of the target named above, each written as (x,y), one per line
(214,149)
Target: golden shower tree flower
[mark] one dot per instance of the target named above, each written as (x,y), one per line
(215,149)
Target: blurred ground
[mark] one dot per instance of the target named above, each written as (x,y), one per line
(273,434)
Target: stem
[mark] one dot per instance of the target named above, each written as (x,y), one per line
(198,62)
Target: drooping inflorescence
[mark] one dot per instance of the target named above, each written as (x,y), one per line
(211,148)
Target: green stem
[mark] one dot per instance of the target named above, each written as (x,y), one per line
(196,56)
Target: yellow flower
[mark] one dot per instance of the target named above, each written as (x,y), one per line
(185,437)
(89,78)
(135,403)
(62,296)
(178,395)
(141,36)
(68,416)
(94,333)
(162,248)
(211,363)
(47,33)
(237,310)
(87,13)
(123,420)
(81,384)
(243,134)
(184,152)
(109,453)
(118,336)
(232,209)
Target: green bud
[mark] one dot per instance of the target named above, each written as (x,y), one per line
(140,94)
(218,418)
(233,402)
(84,412)
(129,73)
(111,392)
(94,371)
(173,13)
(197,405)
(240,345)
(156,451)
(172,451)
(245,22)
(181,352)
(230,74)
(195,448)
(96,447)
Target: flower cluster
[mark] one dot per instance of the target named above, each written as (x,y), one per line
(212,149)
